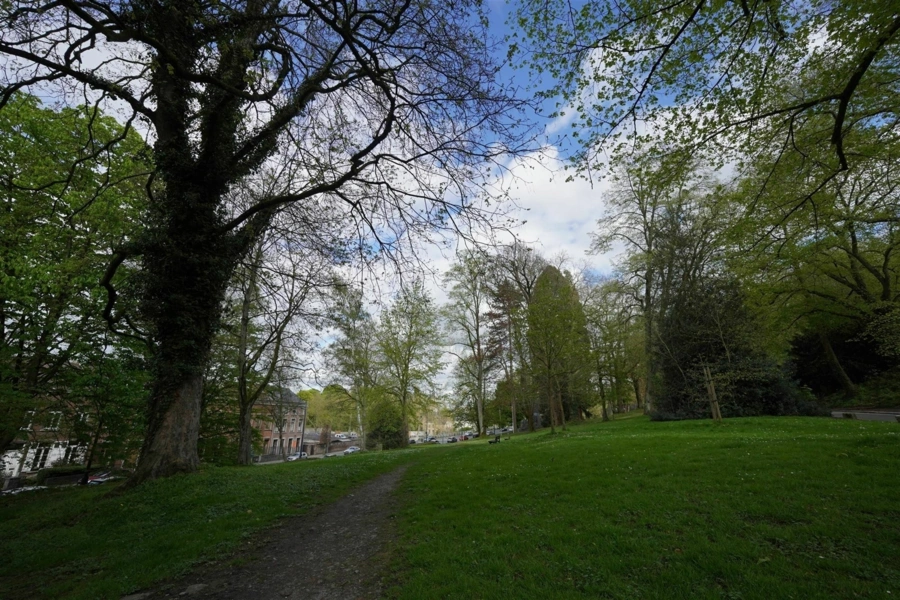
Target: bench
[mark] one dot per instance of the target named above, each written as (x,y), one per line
(496,440)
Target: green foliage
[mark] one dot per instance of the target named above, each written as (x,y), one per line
(353,355)
(802,77)
(617,343)
(71,193)
(105,399)
(408,341)
(560,347)
(385,425)
(829,271)
(466,317)
(711,326)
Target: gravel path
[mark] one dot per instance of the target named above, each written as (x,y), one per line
(337,551)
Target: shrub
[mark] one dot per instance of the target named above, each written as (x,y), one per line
(43,474)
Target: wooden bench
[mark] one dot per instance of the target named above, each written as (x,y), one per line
(496,440)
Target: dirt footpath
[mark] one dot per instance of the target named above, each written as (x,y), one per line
(337,551)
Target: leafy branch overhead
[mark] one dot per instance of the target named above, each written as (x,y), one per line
(743,76)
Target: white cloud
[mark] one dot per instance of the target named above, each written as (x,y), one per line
(559,213)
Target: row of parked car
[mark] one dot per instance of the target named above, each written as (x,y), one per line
(303,455)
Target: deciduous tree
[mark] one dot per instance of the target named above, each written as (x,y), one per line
(560,350)
(409,347)
(383,111)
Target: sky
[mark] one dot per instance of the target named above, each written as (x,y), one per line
(559,215)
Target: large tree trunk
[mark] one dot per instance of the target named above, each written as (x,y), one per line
(186,281)
(171,443)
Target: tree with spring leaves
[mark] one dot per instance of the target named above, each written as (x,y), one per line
(514,274)
(648,192)
(409,354)
(560,349)
(70,191)
(381,112)
(797,77)
(466,318)
(353,355)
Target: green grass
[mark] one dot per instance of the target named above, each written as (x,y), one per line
(87,543)
(753,508)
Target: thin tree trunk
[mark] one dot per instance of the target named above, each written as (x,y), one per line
(405,424)
(523,387)
(636,385)
(648,340)
(602,389)
(245,436)
(846,383)
(562,410)
(246,399)
(303,426)
(479,407)
(90,456)
(550,399)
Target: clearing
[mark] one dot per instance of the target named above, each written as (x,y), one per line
(751,508)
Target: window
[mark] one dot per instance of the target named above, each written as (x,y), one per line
(53,420)
(266,446)
(293,425)
(290,445)
(29,416)
(40,457)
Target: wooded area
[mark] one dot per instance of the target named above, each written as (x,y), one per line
(190,190)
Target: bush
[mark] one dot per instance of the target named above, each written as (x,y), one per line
(43,474)
(385,426)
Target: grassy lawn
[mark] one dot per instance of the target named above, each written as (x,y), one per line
(754,508)
(83,543)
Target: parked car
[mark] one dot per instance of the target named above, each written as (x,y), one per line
(297,456)
(98,478)
(452,440)
(352,449)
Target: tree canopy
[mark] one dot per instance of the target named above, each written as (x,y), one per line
(377,114)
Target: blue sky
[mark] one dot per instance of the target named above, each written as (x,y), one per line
(560,215)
